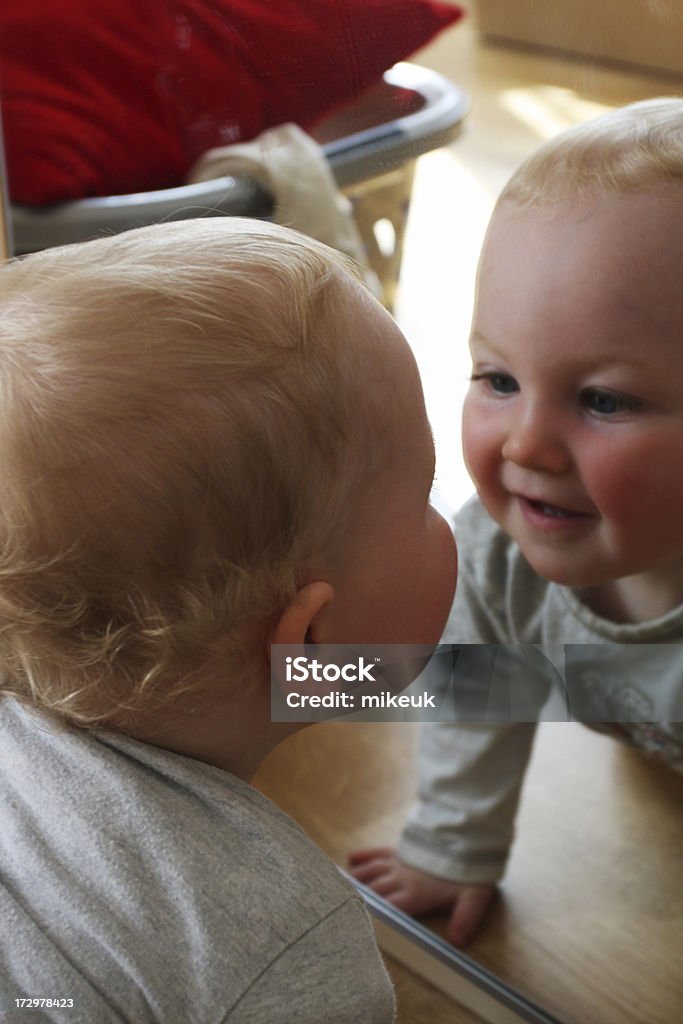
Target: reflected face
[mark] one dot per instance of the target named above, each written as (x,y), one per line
(398,568)
(573,424)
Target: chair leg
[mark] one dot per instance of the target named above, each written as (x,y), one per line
(380,206)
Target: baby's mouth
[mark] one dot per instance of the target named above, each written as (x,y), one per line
(552,511)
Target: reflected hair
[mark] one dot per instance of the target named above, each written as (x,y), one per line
(181,433)
(636,147)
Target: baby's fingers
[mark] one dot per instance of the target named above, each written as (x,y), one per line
(377,852)
(470,906)
(370,865)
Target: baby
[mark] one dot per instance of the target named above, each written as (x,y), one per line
(212,439)
(573,435)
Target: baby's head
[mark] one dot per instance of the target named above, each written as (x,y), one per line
(573,425)
(198,420)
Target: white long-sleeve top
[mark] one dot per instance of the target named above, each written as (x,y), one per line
(622,678)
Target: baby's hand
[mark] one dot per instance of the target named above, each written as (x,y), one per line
(415,892)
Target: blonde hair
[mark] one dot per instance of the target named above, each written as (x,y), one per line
(637,147)
(180,433)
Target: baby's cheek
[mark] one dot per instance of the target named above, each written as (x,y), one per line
(615,493)
(481,448)
(640,486)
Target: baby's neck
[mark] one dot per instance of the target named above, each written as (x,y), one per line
(634,599)
(228,732)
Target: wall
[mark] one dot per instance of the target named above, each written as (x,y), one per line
(643,32)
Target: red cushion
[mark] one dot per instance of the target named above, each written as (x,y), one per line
(108,96)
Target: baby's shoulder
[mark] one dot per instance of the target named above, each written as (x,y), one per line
(495,577)
(156,857)
(485,551)
(478,531)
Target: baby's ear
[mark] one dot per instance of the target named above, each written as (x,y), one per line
(297,624)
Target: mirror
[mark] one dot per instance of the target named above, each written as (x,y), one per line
(590,920)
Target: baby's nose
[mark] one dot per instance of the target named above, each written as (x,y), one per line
(534,441)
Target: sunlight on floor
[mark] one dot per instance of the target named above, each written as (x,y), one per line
(547,109)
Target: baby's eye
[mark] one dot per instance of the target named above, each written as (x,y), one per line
(501,383)
(609,403)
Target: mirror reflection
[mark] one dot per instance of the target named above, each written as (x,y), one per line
(588,918)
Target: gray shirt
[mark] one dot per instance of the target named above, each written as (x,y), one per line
(145,886)
(470,775)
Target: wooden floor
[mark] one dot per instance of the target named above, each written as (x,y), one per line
(589,923)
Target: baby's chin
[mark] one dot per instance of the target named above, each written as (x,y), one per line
(565,572)
(572,569)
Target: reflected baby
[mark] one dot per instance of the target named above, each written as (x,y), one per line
(573,436)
